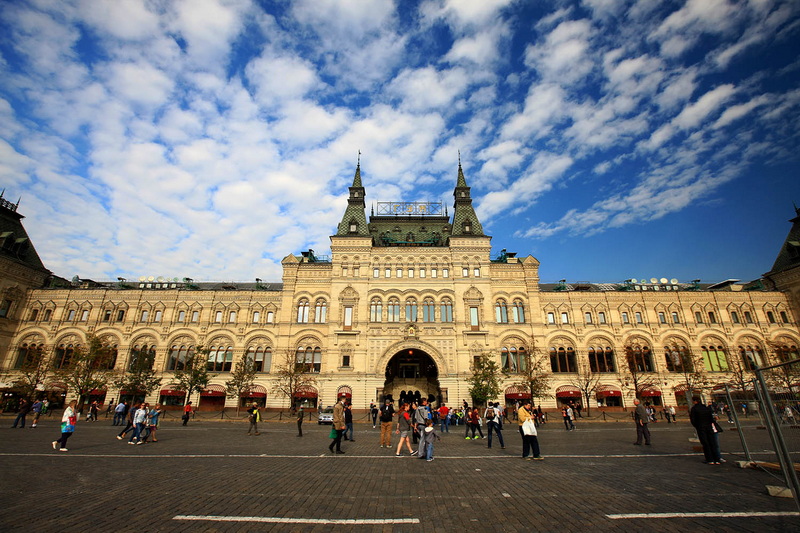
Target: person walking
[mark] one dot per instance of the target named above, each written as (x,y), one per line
(139,417)
(254,417)
(493,424)
(702,418)
(119,413)
(429,435)
(129,425)
(300,416)
(338,426)
(373,412)
(444,418)
(566,414)
(37,412)
(403,429)
(68,420)
(641,418)
(24,409)
(530,440)
(188,411)
(348,422)
(422,414)
(152,423)
(387,412)
(93,411)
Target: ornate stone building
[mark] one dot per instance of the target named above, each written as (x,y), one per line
(406,301)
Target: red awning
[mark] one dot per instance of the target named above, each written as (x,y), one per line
(607,393)
(172,392)
(650,392)
(213,390)
(306,392)
(97,392)
(257,391)
(568,394)
(515,392)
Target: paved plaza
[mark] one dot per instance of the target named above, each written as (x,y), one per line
(211,476)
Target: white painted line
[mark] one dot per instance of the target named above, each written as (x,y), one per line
(283,520)
(738,514)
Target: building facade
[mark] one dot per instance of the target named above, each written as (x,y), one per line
(409,297)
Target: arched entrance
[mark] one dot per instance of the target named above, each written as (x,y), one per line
(411,375)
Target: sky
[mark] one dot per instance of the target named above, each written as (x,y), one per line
(209,139)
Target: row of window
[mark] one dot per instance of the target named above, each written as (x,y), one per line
(411,272)
(700,317)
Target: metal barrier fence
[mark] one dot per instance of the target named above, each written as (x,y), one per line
(767,417)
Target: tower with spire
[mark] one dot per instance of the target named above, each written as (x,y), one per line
(354,221)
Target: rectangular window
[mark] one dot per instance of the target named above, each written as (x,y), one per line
(181,316)
(346,361)
(387,273)
(662,318)
(625,319)
(698,317)
(564,318)
(399,272)
(218,317)
(256,317)
(158,316)
(107,315)
(464,272)
(47,314)
(120,315)
(433,272)
(376,273)
(748,317)
(348,318)
(476,272)
(410,272)
(71,315)
(422,272)
(270,317)
(5,307)
(551,318)
(734,317)
(771,317)
(601,317)
(473,318)
(445,272)
(675,318)
(638,316)
(144,316)
(232,317)
(344,272)
(356,272)
(588,317)
(195,316)
(712,318)
(84,315)
(784,317)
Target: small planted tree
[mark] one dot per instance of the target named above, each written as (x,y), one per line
(139,378)
(587,381)
(533,374)
(292,374)
(242,379)
(637,371)
(32,372)
(193,377)
(89,367)
(485,380)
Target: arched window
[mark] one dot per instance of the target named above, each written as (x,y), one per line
(501,312)
(321,311)
(411,310)
(393,310)
(714,358)
(302,311)
(601,360)
(446,310)
(786,353)
(63,355)
(310,358)
(562,359)
(428,310)
(513,359)
(28,355)
(751,356)
(518,312)
(375,310)
(677,359)
(260,357)
(220,359)
(142,357)
(178,354)
(640,358)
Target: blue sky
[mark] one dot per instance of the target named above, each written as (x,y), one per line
(208,139)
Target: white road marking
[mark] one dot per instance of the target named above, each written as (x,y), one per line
(721,514)
(283,520)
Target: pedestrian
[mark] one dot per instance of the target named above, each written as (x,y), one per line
(420,416)
(566,414)
(444,418)
(672,413)
(641,418)
(729,412)
(527,429)
(493,424)
(300,416)
(475,423)
(665,414)
(429,435)
(93,411)
(68,420)
(702,418)
(188,411)
(37,411)
(578,408)
(139,417)
(46,407)
(129,426)
(348,422)
(254,417)
(373,412)
(152,423)
(119,413)
(338,426)
(387,412)
(403,429)
(24,409)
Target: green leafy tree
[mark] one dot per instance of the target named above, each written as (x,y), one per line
(291,376)
(139,377)
(533,373)
(485,380)
(89,367)
(242,379)
(193,377)
(31,373)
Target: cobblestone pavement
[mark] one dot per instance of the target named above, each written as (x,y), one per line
(211,476)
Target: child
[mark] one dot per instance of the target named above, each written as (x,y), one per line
(428,436)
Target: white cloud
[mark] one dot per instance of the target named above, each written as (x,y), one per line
(428,88)
(563,56)
(279,78)
(545,105)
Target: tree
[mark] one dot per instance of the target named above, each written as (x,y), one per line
(291,376)
(485,380)
(681,360)
(32,372)
(784,378)
(89,367)
(193,377)
(638,373)
(139,378)
(242,379)
(587,381)
(532,372)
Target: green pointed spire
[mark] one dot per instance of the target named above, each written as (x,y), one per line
(357,178)
(462,181)
(465,221)
(354,221)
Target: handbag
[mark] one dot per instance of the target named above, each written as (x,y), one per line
(333,433)
(529,428)
(717,428)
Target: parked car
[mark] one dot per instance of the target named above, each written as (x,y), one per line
(326,416)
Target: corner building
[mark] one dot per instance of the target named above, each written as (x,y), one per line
(406,301)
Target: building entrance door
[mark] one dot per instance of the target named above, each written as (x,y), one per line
(411,375)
